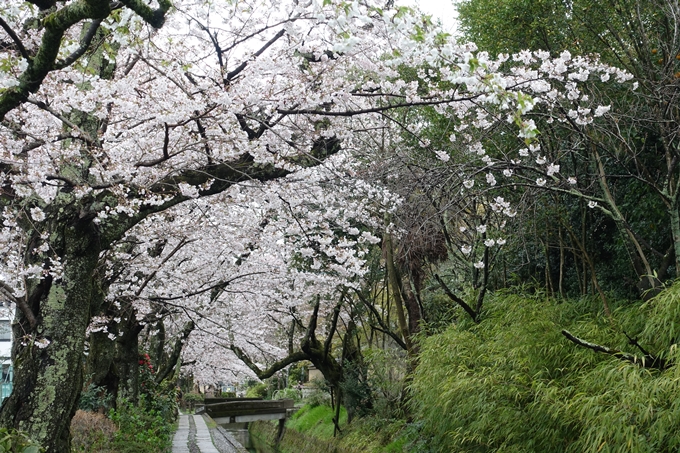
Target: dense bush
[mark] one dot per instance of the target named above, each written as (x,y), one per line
(141,429)
(515,383)
(257,391)
(191,400)
(91,432)
(158,398)
(288,393)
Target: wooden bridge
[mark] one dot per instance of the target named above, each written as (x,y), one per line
(244,410)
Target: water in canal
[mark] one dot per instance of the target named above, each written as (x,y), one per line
(260,447)
(252,443)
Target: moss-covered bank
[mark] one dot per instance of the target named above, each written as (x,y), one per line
(311,431)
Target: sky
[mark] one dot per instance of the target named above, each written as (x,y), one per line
(442,9)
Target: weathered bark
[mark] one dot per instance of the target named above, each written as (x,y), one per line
(99,369)
(48,380)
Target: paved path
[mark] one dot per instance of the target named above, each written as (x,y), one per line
(189,440)
(203,439)
(180,443)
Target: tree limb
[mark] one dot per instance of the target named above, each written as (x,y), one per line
(647,361)
(84,46)
(56,24)
(15,38)
(231,74)
(276,366)
(383,327)
(384,108)
(154,17)
(176,351)
(473,314)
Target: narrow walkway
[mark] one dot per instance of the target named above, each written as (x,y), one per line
(203,439)
(194,436)
(180,443)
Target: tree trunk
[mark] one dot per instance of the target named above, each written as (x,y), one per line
(675,232)
(127,360)
(100,363)
(48,379)
(395,291)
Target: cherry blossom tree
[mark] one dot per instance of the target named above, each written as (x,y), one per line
(110,123)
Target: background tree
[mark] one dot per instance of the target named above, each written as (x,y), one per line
(632,153)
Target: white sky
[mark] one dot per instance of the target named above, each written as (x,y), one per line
(441,9)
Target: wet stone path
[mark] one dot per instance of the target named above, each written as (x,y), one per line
(194,436)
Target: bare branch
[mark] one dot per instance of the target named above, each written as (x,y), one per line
(15,38)
(231,74)
(647,361)
(370,110)
(277,366)
(473,314)
(84,46)
(81,133)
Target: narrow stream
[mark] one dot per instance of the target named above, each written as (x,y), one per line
(251,443)
(259,447)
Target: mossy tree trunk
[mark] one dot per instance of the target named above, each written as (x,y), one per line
(50,338)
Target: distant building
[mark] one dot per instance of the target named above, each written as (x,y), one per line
(6,315)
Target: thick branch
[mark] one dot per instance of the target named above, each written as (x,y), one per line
(334,326)
(176,351)
(154,17)
(647,361)
(221,177)
(369,110)
(7,292)
(277,366)
(220,286)
(56,24)
(473,314)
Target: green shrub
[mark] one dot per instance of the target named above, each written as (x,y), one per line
(158,398)
(141,429)
(190,400)
(13,441)
(316,421)
(94,398)
(289,393)
(257,391)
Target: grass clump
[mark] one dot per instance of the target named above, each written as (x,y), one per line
(316,421)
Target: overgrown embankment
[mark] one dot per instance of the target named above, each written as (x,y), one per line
(534,375)
(311,431)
